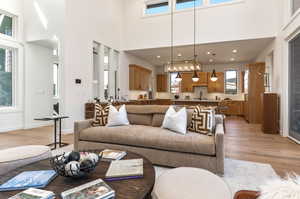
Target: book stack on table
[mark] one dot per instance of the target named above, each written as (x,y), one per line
(111,155)
(96,189)
(125,169)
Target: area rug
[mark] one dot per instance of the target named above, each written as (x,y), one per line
(239,175)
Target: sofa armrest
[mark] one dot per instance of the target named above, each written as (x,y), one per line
(220,149)
(78,127)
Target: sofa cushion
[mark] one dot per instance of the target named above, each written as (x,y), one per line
(158,118)
(151,137)
(140,119)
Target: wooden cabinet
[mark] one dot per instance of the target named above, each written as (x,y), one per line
(232,107)
(217,86)
(270,113)
(202,79)
(187,83)
(161,83)
(255,90)
(139,78)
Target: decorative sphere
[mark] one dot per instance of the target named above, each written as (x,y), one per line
(61,159)
(86,165)
(74,156)
(72,168)
(93,157)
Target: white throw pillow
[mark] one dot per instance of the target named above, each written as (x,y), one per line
(117,118)
(175,121)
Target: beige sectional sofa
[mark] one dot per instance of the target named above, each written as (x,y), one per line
(160,146)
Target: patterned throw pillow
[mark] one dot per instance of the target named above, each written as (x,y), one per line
(101,115)
(203,121)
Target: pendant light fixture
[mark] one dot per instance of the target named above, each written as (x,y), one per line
(178,77)
(214,77)
(195,77)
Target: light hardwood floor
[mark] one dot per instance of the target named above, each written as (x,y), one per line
(243,141)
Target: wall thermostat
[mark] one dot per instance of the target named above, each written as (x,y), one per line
(77,81)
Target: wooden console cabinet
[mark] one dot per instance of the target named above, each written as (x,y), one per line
(270,113)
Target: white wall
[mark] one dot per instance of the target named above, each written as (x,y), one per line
(125,60)
(208,68)
(248,19)
(12,118)
(38,84)
(288,27)
(99,21)
(54,13)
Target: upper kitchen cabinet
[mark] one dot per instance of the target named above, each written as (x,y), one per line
(217,86)
(187,83)
(202,79)
(139,78)
(162,83)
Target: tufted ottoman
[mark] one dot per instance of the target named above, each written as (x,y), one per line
(190,183)
(13,158)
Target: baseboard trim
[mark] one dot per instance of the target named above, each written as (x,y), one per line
(67,131)
(32,126)
(293,139)
(6,130)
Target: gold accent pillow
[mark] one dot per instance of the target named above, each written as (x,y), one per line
(101,115)
(203,121)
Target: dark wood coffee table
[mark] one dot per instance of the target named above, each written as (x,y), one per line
(126,189)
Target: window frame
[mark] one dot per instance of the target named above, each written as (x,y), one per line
(236,82)
(155,14)
(170,77)
(14,76)
(58,80)
(197,6)
(14,26)
(206,4)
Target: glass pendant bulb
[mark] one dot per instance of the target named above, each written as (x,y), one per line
(195,77)
(178,77)
(214,76)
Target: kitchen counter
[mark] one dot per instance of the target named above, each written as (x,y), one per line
(196,100)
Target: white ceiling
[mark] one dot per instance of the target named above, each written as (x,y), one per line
(247,50)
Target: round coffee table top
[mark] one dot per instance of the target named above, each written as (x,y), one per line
(190,183)
(125,189)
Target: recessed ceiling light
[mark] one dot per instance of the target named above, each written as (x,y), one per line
(211,60)
(208,53)
(234,51)
(158,56)
(232,59)
(179,55)
(186,61)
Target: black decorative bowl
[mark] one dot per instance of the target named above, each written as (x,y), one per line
(74,164)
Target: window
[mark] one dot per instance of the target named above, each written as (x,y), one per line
(6,77)
(294,88)
(156,6)
(174,85)
(295,5)
(55,80)
(6,25)
(219,1)
(106,71)
(231,82)
(183,4)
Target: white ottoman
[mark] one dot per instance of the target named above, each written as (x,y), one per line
(13,158)
(190,183)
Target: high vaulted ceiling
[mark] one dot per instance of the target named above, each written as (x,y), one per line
(246,51)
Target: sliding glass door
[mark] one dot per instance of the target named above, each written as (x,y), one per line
(294,88)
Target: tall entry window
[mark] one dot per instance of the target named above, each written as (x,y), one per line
(6,77)
(294,88)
